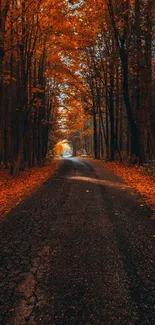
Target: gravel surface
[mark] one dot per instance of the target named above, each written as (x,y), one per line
(80,250)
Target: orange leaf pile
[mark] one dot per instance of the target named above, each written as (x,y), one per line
(14,190)
(136,177)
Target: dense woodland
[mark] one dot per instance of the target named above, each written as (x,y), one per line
(77,70)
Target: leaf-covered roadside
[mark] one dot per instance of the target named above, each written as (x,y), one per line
(14,190)
(136,177)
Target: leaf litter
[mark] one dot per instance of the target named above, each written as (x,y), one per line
(137,178)
(14,190)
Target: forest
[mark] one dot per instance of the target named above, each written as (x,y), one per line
(77,70)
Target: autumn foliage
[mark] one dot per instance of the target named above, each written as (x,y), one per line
(81,70)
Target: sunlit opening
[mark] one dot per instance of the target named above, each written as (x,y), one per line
(63,149)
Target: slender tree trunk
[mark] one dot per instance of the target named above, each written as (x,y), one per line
(111,113)
(148,62)
(95,133)
(134,131)
(117,109)
(139,85)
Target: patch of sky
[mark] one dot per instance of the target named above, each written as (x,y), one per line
(66,60)
(75,4)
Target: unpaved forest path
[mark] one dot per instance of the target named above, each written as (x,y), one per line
(80,250)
